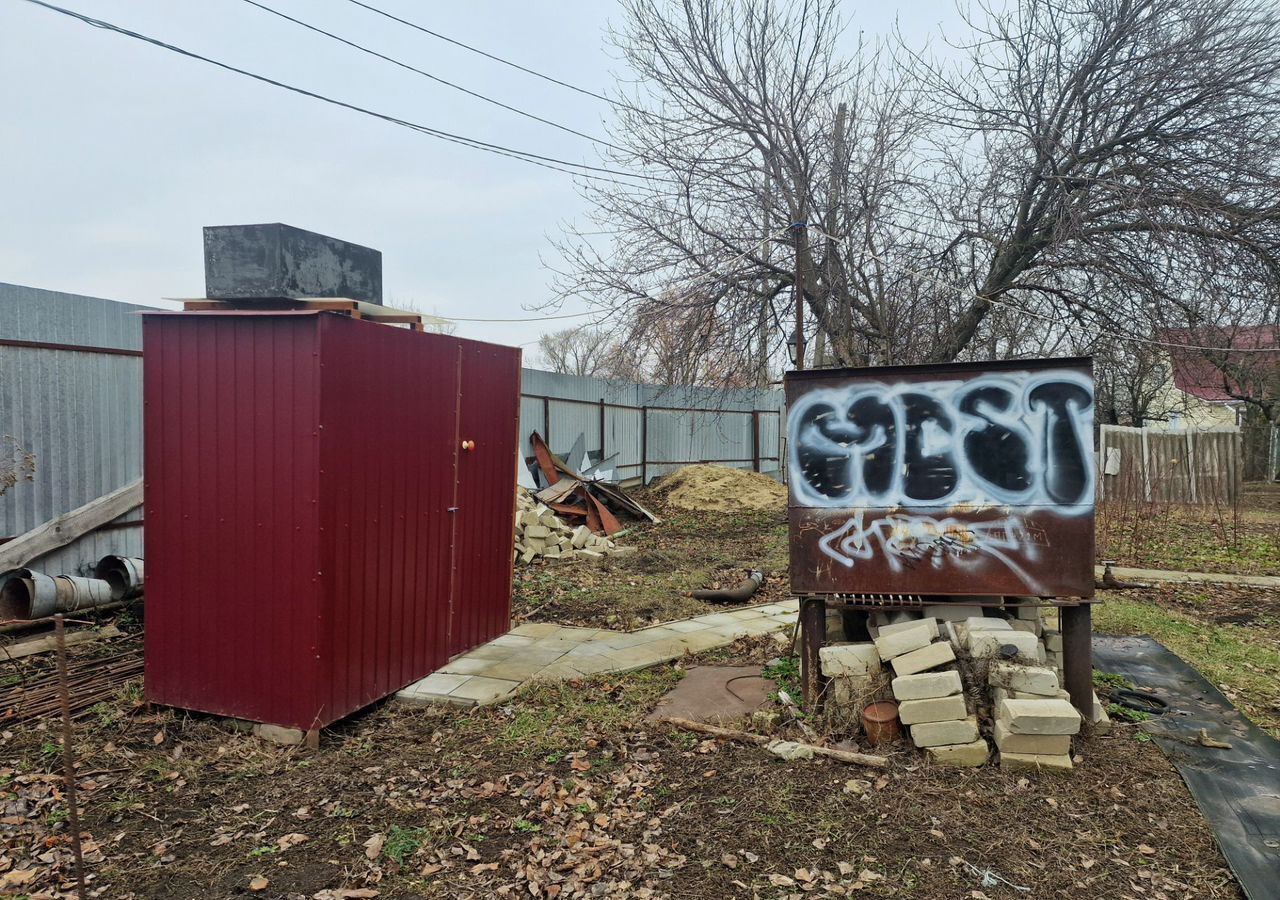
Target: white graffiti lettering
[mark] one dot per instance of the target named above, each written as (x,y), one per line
(1015,439)
(908,542)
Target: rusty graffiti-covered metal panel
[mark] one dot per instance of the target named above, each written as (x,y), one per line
(960,478)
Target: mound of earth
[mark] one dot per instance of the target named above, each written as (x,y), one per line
(722,489)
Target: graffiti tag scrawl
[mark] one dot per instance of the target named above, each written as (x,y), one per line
(1009,439)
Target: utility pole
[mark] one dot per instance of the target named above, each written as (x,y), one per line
(801,234)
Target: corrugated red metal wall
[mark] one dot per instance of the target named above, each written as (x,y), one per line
(308,546)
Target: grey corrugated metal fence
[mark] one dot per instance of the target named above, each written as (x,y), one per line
(651,429)
(71,395)
(1198,466)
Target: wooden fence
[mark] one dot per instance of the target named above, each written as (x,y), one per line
(1199,466)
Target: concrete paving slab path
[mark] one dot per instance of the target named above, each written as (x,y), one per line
(538,651)
(1127,574)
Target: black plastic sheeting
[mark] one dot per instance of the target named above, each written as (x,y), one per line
(1238,790)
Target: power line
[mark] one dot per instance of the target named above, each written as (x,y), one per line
(487,55)
(546,162)
(426,74)
(917,273)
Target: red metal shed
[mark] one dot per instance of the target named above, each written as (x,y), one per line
(320,531)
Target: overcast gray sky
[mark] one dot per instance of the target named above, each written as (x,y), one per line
(115,153)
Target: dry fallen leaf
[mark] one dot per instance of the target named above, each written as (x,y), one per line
(158,738)
(258,883)
(1146,851)
(730,861)
(293,839)
(781,881)
(373,846)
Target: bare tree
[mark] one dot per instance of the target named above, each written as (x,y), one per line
(584,350)
(1071,165)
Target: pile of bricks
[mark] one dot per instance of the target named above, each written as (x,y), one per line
(1034,718)
(912,659)
(931,701)
(540,533)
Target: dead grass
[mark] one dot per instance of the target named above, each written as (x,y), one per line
(567,786)
(687,550)
(1194,539)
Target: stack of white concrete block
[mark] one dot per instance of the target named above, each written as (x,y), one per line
(929,692)
(541,533)
(1034,718)
(855,677)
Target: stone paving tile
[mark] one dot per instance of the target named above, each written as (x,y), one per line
(542,651)
(523,666)
(490,651)
(482,690)
(468,665)
(685,625)
(536,629)
(511,640)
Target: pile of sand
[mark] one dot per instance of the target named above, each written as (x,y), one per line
(722,489)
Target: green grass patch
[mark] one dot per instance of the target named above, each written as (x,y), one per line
(1227,655)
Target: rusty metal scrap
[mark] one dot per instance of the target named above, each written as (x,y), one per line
(575,496)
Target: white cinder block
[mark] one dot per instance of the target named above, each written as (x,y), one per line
(935,709)
(1047,716)
(849,659)
(952,612)
(896,627)
(991,644)
(1027,679)
(1006,740)
(900,642)
(940,734)
(924,659)
(927,685)
(971,755)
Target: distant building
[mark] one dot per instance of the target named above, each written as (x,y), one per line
(1211,389)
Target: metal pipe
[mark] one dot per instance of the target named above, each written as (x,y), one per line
(739,594)
(1077,656)
(123,573)
(813,632)
(25,594)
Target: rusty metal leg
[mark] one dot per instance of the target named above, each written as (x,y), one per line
(813,631)
(1077,655)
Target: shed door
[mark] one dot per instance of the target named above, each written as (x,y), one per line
(484,521)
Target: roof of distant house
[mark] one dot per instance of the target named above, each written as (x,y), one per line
(1199,374)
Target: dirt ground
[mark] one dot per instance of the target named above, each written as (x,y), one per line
(565,792)
(689,549)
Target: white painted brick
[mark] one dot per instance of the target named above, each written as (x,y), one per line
(1047,716)
(952,612)
(987,623)
(898,643)
(970,755)
(896,627)
(998,694)
(1006,740)
(927,685)
(1053,641)
(1035,762)
(941,734)
(936,709)
(1026,625)
(924,659)
(991,644)
(1026,679)
(1027,613)
(849,659)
